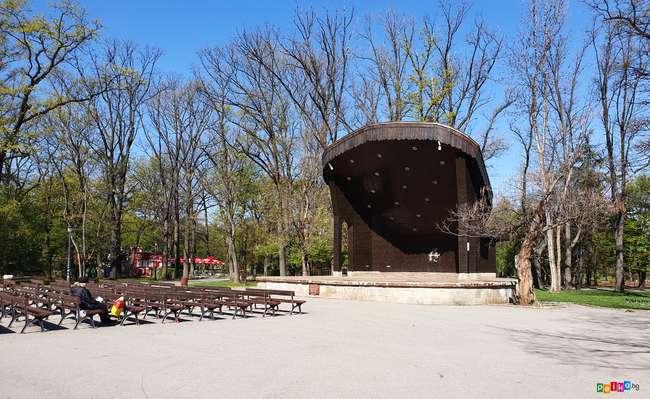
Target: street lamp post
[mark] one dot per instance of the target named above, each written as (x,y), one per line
(69,237)
(155,260)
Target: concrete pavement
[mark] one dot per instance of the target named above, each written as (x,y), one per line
(339,349)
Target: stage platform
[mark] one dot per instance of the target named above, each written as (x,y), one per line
(410,288)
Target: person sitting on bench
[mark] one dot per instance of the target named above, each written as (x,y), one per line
(88,302)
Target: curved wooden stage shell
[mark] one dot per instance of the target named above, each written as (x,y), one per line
(391,185)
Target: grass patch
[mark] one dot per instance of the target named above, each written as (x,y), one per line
(602,298)
(227,284)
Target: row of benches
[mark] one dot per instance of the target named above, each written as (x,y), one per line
(163,299)
(17,304)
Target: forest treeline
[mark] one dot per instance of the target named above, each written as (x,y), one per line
(225,161)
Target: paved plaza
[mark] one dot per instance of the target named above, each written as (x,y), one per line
(339,349)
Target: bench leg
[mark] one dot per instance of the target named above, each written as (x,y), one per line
(62,316)
(26,324)
(14,316)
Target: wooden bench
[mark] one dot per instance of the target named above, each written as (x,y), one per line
(20,306)
(57,289)
(5,302)
(30,286)
(108,283)
(226,297)
(295,303)
(161,284)
(257,297)
(34,298)
(71,305)
(40,283)
(130,309)
(162,302)
(8,285)
(205,300)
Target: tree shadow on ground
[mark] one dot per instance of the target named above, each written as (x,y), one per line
(618,340)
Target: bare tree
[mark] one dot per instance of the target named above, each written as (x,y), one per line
(227,178)
(73,160)
(464,69)
(116,116)
(386,61)
(631,18)
(266,112)
(619,85)
(543,25)
(321,52)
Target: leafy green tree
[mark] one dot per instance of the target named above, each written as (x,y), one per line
(34,50)
(430,82)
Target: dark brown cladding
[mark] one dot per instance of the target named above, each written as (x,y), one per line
(391,183)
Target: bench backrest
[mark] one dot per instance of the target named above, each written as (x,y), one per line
(8,285)
(40,283)
(108,283)
(60,290)
(274,292)
(64,300)
(103,292)
(161,284)
(6,296)
(162,298)
(29,286)
(19,303)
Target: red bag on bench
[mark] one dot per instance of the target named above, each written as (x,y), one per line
(118,306)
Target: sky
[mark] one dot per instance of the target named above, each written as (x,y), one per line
(181,28)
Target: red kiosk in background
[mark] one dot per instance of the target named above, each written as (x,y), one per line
(143,264)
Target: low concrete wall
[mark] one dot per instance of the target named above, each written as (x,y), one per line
(484,293)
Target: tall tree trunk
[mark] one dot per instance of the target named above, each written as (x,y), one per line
(232,253)
(526,292)
(46,233)
(193,247)
(642,277)
(116,242)
(618,237)
(568,254)
(555,278)
(266,265)
(538,264)
(558,252)
(305,264)
(186,247)
(177,239)
(165,245)
(281,244)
